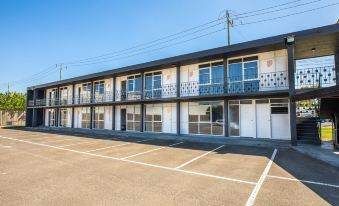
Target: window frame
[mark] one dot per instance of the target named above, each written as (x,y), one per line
(152,121)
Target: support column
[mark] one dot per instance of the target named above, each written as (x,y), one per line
(178,118)
(73,102)
(113,106)
(225,76)
(226,118)
(178,101)
(291,84)
(34,115)
(142,117)
(336,65)
(113,117)
(91,116)
(142,85)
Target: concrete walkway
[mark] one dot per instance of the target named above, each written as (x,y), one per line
(329,156)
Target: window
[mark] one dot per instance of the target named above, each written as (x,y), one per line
(63,117)
(206,118)
(134,87)
(243,75)
(52,97)
(211,78)
(85,95)
(85,117)
(99,91)
(51,118)
(153,117)
(99,121)
(64,95)
(133,117)
(153,85)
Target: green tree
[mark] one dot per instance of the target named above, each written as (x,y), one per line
(12,101)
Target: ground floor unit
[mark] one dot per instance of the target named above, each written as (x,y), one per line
(257,118)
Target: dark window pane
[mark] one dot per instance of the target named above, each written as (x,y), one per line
(193,128)
(234,120)
(205,128)
(217,128)
(148,126)
(279,110)
(157,126)
(235,72)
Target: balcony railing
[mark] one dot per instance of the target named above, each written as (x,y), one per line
(105,97)
(83,99)
(236,84)
(316,77)
(165,91)
(123,95)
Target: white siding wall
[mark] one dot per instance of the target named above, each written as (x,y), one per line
(117,116)
(46,117)
(169,79)
(77,117)
(118,81)
(169,118)
(108,117)
(184,117)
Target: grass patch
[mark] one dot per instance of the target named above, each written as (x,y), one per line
(326,133)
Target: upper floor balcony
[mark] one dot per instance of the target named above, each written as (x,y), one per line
(305,78)
(252,83)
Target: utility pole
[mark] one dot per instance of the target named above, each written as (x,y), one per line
(229,24)
(60,70)
(8,88)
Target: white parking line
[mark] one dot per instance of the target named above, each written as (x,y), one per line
(67,145)
(152,150)
(119,145)
(257,187)
(305,181)
(59,140)
(196,158)
(135,162)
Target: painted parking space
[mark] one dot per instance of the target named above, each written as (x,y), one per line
(225,162)
(127,149)
(175,156)
(100,144)
(160,171)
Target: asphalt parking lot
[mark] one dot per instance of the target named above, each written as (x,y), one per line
(40,168)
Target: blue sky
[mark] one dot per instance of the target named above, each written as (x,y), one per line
(37,34)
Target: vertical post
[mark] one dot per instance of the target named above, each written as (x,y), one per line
(91,110)
(113,89)
(142,117)
(73,102)
(113,106)
(142,85)
(291,83)
(178,117)
(178,101)
(226,118)
(142,104)
(34,118)
(336,65)
(178,80)
(225,76)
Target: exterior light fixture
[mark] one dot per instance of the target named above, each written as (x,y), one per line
(290,40)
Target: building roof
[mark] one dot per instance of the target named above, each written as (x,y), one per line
(307,39)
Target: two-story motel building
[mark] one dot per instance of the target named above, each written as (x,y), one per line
(243,90)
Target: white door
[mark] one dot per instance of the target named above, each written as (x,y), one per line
(263,118)
(247,119)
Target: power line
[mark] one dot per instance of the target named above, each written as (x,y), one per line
(278,10)
(271,7)
(288,15)
(146,43)
(150,46)
(181,42)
